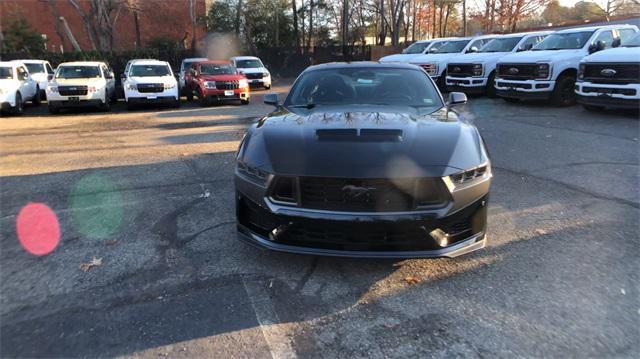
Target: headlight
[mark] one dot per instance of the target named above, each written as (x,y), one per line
(210,85)
(131,87)
(169,86)
(468,177)
(266,74)
(581,69)
(541,71)
(256,175)
(477,69)
(243,83)
(52,89)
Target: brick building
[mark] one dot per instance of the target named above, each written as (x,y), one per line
(156,18)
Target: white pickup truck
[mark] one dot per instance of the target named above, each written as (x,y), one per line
(435,63)
(16,87)
(41,72)
(475,73)
(550,69)
(417,48)
(611,78)
(81,84)
(150,82)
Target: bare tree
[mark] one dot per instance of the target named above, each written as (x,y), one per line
(99,21)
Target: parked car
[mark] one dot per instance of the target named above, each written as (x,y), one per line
(16,87)
(120,86)
(253,68)
(474,73)
(150,81)
(81,84)
(184,67)
(417,48)
(549,70)
(41,72)
(611,78)
(216,81)
(363,159)
(435,63)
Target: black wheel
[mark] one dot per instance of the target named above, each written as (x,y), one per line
(267,87)
(593,108)
(189,94)
(106,105)
(491,86)
(244,102)
(176,103)
(36,98)
(204,101)
(442,82)
(19,108)
(511,99)
(563,94)
(130,106)
(54,110)
(114,97)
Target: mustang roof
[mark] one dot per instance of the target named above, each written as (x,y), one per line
(342,65)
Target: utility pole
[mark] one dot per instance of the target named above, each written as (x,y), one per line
(345,30)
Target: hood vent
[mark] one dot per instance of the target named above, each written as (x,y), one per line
(363,135)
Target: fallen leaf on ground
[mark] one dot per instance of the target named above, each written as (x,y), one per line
(411,280)
(95,262)
(540,231)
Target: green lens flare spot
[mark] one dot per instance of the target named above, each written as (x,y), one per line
(97,207)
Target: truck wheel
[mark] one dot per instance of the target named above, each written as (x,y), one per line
(593,108)
(130,106)
(563,94)
(106,105)
(176,103)
(53,109)
(36,98)
(19,108)
(491,86)
(189,94)
(204,101)
(244,102)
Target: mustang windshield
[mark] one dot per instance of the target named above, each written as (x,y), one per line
(78,72)
(364,86)
(501,45)
(217,69)
(149,70)
(249,64)
(452,47)
(6,73)
(564,41)
(416,48)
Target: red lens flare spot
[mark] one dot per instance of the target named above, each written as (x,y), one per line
(38,229)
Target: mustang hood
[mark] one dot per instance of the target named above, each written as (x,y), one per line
(399,58)
(334,143)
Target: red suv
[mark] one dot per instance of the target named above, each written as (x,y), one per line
(216,80)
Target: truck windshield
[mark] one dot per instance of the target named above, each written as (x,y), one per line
(78,72)
(149,70)
(564,41)
(357,86)
(451,47)
(6,73)
(416,48)
(501,45)
(35,68)
(217,69)
(632,42)
(248,64)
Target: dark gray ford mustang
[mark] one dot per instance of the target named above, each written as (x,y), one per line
(367,160)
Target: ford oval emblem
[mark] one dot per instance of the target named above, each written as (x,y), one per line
(513,71)
(608,72)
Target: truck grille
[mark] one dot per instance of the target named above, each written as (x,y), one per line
(361,195)
(149,88)
(460,70)
(254,76)
(72,90)
(431,69)
(620,74)
(516,71)
(227,85)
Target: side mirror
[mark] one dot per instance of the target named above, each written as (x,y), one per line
(456,98)
(598,46)
(271,99)
(526,47)
(49,77)
(472,49)
(616,42)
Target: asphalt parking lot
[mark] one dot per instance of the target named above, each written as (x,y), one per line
(149,194)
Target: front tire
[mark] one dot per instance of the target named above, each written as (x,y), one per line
(244,102)
(189,95)
(491,86)
(36,98)
(593,108)
(54,110)
(563,94)
(19,108)
(204,101)
(176,103)
(106,105)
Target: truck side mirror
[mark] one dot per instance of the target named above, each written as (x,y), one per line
(472,49)
(597,46)
(525,47)
(616,42)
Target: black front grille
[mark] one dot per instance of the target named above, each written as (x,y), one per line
(460,70)
(227,85)
(516,71)
(612,73)
(72,90)
(254,76)
(150,88)
(369,195)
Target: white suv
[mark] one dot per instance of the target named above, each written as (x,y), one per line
(80,84)
(435,63)
(253,69)
(41,72)
(475,73)
(549,70)
(184,67)
(150,81)
(415,49)
(611,78)
(16,87)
